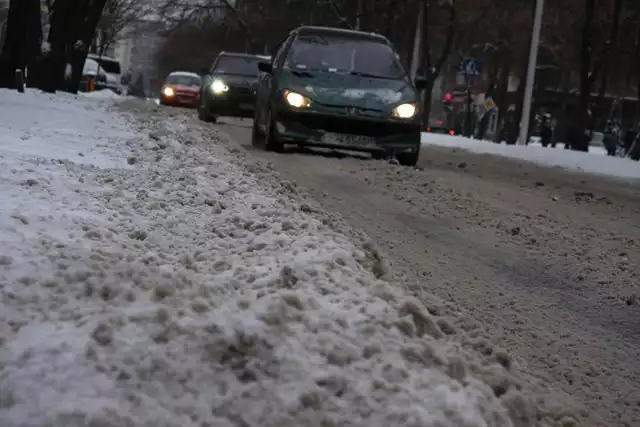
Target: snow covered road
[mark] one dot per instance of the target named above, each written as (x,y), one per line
(543,260)
(153,274)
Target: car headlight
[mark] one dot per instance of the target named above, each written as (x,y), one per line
(218,86)
(168,92)
(296,100)
(405,111)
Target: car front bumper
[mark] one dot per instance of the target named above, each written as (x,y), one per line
(310,128)
(189,100)
(237,102)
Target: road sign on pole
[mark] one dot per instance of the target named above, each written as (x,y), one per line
(489,103)
(470,67)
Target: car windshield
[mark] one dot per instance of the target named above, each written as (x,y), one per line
(240,65)
(183,79)
(359,56)
(108,65)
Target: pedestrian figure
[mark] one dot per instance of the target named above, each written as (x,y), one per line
(611,137)
(546,131)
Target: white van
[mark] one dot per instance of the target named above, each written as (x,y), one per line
(110,67)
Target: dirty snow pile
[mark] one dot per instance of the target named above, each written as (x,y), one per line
(150,278)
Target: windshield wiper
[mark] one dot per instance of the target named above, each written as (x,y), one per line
(301,73)
(373,76)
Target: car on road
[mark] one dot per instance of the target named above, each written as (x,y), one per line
(181,88)
(440,128)
(229,89)
(336,88)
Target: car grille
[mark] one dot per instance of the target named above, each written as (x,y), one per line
(242,93)
(351,111)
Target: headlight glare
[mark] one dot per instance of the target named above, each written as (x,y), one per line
(405,111)
(168,92)
(296,100)
(218,86)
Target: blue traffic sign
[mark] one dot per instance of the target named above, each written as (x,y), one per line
(470,67)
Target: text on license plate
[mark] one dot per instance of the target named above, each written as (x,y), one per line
(348,140)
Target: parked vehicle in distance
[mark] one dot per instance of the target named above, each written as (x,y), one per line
(112,70)
(181,88)
(93,77)
(229,89)
(439,127)
(337,88)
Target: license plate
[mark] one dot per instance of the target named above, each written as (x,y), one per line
(246,106)
(348,140)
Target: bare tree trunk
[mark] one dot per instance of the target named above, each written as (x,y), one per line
(590,71)
(434,68)
(21,44)
(392,6)
(502,92)
(73,24)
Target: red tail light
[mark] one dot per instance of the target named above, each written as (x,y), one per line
(452,132)
(428,129)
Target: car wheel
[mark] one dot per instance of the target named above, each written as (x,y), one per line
(408,159)
(202,110)
(271,142)
(256,135)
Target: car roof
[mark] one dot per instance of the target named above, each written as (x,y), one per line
(244,55)
(184,73)
(310,29)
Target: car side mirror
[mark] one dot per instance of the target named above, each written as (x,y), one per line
(421,83)
(265,67)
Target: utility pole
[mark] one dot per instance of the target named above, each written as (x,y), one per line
(417,40)
(531,73)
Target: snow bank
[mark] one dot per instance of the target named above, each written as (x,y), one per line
(597,163)
(166,284)
(102,94)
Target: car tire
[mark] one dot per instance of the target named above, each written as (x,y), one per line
(256,135)
(202,113)
(202,110)
(271,143)
(408,159)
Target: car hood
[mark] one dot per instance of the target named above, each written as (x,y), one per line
(339,90)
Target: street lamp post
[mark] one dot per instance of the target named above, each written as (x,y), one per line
(531,73)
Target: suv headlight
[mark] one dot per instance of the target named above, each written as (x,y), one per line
(296,100)
(405,111)
(218,86)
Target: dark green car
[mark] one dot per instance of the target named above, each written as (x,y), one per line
(229,88)
(336,88)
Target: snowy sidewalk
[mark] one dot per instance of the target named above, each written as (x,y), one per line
(151,277)
(596,161)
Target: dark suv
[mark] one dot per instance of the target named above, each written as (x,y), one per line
(336,88)
(229,89)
